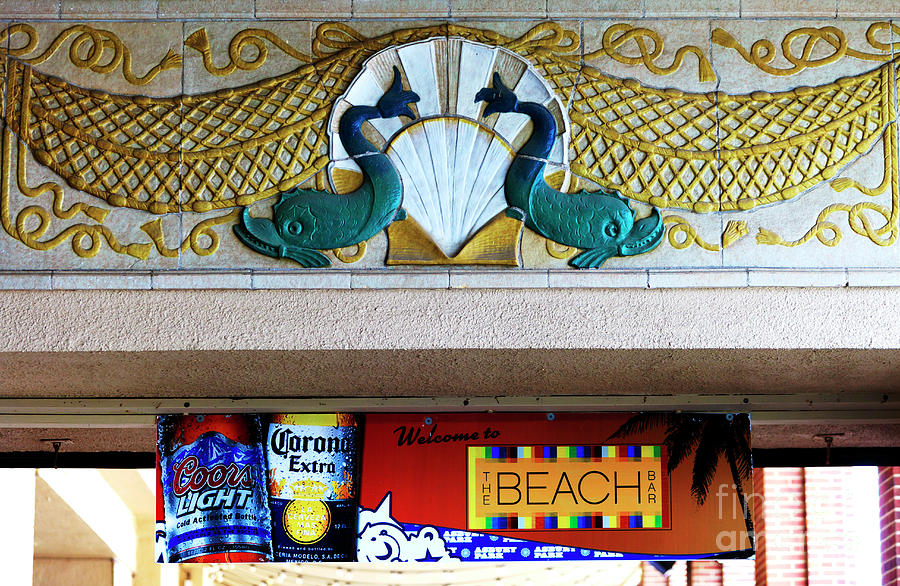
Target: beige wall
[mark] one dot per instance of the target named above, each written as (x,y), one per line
(73,321)
(73,572)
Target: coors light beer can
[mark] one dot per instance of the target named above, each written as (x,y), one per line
(160,540)
(213,479)
(313,487)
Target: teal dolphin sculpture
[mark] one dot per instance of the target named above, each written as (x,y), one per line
(305,221)
(600,223)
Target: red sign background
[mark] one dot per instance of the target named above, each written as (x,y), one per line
(428,481)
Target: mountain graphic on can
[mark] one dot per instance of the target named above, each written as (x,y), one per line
(213,488)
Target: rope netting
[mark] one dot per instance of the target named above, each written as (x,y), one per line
(702,152)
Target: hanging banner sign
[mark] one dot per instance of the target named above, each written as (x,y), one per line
(312,475)
(538,486)
(465,486)
(567,487)
(213,488)
(250,488)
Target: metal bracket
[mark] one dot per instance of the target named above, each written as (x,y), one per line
(57,444)
(829,439)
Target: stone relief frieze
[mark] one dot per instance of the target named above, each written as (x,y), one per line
(590,145)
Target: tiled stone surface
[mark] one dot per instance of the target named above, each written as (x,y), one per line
(94,280)
(598,279)
(721,278)
(303,8)
(482,8)
(301,280)
(108,9)
(872,8)
(204,8)
(430,279)
(782,8)
(400,8)
(699,8)
(797,278)
(202,280)
(873,278)
(458,278)
(509,279)
(25,281)
(31,9)
(595,8)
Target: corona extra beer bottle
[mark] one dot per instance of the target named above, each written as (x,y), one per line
(313,488)
(213,479)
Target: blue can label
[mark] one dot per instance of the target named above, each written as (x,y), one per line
(215,499)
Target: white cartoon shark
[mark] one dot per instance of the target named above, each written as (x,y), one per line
(382,539)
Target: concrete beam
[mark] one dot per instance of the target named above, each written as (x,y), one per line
(145,321)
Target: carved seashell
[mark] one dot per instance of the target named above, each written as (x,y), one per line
(453,162)
(453,172)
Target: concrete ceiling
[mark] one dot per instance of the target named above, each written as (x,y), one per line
(447,372)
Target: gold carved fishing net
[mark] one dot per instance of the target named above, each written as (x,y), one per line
(703,152)
(659,146)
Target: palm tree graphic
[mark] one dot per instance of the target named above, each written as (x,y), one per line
(708,437)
